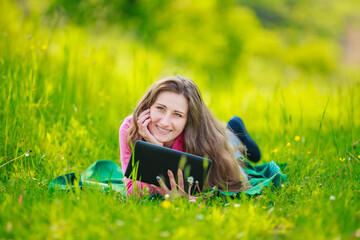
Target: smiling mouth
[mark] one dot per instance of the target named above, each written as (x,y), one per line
(163,131)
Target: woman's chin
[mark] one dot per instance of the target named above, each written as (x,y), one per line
(161,140)
(166,142)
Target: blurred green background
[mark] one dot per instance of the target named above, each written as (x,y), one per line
(73,70)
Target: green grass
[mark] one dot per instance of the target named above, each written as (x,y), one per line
(66,90)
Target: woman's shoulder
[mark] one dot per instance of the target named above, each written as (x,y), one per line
(126,123)
(123,131)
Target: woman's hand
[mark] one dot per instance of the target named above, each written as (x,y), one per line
(176,189)
(163,189)
(143,122)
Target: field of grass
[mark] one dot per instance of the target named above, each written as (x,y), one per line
(65,90)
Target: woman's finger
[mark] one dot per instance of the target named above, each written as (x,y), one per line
(143,126)
(142,119)
(146,123)
(181,180)
(172,180)
(144,113)
(142,116)
(162,184)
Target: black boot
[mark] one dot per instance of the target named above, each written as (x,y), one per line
(238,128)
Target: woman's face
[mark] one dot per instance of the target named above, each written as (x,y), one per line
(168,117)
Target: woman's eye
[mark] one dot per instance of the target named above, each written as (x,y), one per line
(160,108)
(177,115)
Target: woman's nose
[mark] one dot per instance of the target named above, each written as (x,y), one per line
(165,120)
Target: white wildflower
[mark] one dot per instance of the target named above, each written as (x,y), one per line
(240,235)
(165,234)
(200,217)
(190,180)
(119,223)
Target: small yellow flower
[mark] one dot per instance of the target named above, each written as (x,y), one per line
(263,207)
(358,156)
(288,144)
(308,152)
(274,151)
(297,138)
(44,47)
(165,204)
(342,159)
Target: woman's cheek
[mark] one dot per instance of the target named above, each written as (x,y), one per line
(183,123)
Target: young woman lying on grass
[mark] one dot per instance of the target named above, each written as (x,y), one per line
(173,114)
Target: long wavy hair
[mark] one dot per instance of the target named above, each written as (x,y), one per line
(204,134)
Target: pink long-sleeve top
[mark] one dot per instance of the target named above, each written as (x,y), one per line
(125,154)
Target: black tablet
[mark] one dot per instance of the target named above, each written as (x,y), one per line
(150,160)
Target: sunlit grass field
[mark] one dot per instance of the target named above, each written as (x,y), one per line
(65,91)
